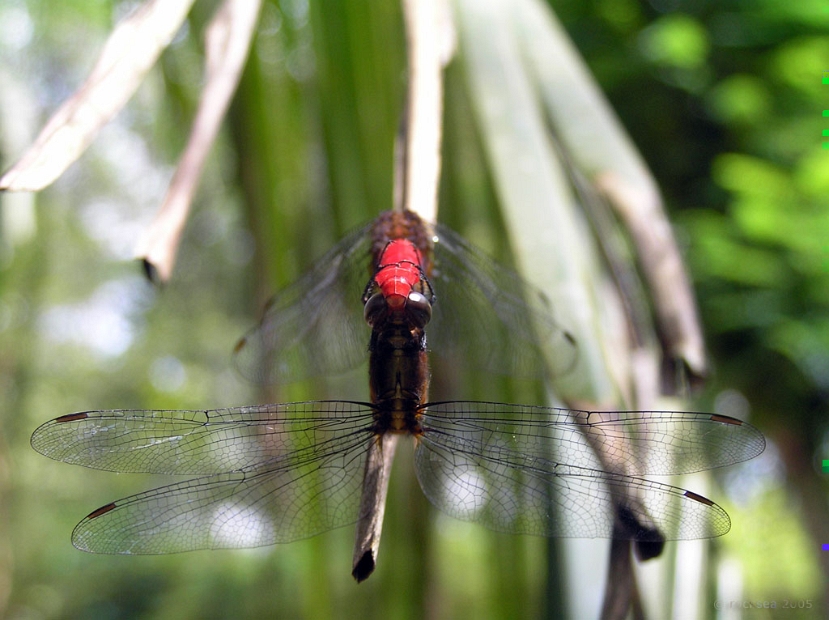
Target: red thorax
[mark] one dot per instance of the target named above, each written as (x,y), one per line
(399,271)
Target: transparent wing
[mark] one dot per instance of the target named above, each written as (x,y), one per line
(315,326)
(535,474)
(251,508)
(216,441)
(660,443)
(281,473)
(549,499)
(488,315)
(485,315)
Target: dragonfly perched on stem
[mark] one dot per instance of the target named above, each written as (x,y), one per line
(483,313)
(276,473)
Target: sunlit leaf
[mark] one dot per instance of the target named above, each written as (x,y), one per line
(740,98)
(676,40)
(430,42)
(550,239)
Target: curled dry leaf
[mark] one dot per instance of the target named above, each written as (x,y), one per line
(661,263)
(128,55)
(525,78)
(227,41)
(594,138)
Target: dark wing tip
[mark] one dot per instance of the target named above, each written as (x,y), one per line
(724,419)
(699,498)
(81,534)
(364,567)
(100,511)
(71,417)
(41,440)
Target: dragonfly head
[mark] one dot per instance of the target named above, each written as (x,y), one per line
(415,309)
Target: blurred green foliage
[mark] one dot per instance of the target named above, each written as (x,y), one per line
(732,132)
(724,99)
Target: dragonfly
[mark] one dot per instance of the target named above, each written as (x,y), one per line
(276,473)
(315,328)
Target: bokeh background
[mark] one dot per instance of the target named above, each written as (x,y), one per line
(724,99)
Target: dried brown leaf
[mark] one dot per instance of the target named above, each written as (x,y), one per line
(661,262)
(594,138)
(128,55)
(227,42)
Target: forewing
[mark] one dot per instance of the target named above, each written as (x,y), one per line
(277,502)
(487,315)
(645,442)
(314,326)
(202,442)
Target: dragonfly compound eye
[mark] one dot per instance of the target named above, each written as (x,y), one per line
(418,309)
(375,309)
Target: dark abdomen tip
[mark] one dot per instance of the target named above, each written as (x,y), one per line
(364,567)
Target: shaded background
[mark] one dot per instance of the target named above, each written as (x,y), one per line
(724,100)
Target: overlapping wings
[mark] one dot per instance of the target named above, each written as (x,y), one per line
(277,473)
(530,470)
(484,315)
(272,473)
(489,317)
(315,326)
